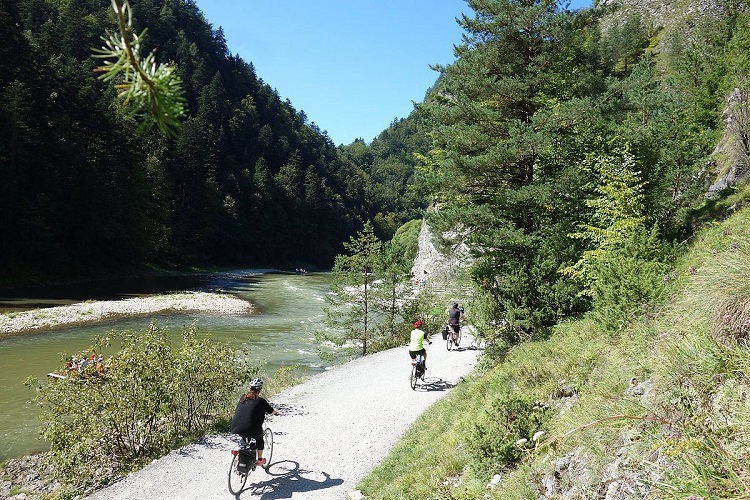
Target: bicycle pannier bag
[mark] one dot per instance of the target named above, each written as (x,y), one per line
(445,333)
(244,459)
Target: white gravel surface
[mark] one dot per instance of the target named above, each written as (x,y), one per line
(95,311)
(333,429)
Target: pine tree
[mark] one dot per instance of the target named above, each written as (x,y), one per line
(497,114)
(350,311)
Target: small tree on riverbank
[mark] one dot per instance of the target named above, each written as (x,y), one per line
(389,298)
(146,399)
(369,291)
(349,312)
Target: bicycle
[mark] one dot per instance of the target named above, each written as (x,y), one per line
(451,337)
(244,460)
(417,371)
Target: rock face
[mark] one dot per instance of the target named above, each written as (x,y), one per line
(431,264)
(664,13)
(732,154)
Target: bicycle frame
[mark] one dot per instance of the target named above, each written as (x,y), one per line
(417,370)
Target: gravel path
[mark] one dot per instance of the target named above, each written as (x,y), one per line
(334,428)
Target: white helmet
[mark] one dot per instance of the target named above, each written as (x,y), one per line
(256,383)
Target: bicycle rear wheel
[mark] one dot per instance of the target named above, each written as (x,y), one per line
(268,448)
(449,341)
(413,379)
(236,479)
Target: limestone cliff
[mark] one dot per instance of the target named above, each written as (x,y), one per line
(431,264)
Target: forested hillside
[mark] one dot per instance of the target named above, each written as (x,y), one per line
(82,194)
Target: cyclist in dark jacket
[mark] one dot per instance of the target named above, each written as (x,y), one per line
(454,319)
(249,416)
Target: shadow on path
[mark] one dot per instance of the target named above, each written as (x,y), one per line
(288,478)
(195,449)
(431,384)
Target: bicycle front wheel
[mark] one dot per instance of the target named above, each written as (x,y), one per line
(236,479)
(268,448)
(458,338)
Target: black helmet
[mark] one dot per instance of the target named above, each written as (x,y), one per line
(455,304)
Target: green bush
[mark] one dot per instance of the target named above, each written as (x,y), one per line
(630,278)
(499,437)
(144,400)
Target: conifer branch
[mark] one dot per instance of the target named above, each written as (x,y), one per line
(149,89)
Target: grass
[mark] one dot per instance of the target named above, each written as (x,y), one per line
(687,434)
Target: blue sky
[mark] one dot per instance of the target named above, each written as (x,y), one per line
(353,66)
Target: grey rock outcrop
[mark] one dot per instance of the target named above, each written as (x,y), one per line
(732,154)
(431,264)
(662,13)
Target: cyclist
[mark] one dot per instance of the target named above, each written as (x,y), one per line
(416,346)
(454,319)
(249,416)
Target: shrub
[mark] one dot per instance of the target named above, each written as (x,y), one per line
(629,278)
(146,399)
(497,439)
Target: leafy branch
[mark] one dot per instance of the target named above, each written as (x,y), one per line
(148,88)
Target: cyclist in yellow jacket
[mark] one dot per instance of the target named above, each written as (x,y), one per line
(416,345)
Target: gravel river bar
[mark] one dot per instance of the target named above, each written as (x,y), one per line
(95,311)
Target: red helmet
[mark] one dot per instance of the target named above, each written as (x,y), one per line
(418,323)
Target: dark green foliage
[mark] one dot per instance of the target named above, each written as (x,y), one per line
(630,278)
(405,242)
(535,94)
(623,46)
(512,119)
(388,165)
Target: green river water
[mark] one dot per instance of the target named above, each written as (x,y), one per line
(281,333)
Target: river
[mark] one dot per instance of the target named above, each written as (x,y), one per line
(280,333)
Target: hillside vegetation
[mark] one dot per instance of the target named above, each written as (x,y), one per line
(576,154)
(657,409)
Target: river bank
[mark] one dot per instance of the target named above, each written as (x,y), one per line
(17,323)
